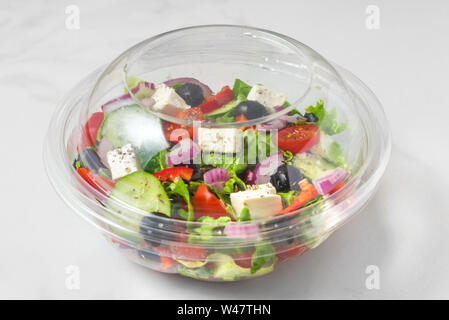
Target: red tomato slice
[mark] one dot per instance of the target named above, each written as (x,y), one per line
(174,174)
(307,194)
(191,114)
(297,139)
(187,252)
(206,203)
(164,255)
(243,118)
(214,102)
(168,129)
(290,251)
(225,95)
(101,184)
(209,106)
(90,130)
(243,259)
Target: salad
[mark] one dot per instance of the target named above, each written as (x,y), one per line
(174,189)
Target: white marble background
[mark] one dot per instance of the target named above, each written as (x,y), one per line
(404,230)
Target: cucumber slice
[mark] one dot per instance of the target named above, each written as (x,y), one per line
(141,190)
(227,107)
(132,124)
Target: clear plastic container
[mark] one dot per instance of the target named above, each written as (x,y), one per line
(232,248)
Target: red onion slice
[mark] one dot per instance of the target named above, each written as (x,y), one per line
(103,147)
(116,103)
(242,231)
(142,91)
(218,185)
(206,90)
(330,180)
(184,151)
(274,125)
(278,108)
(216,175)
(293,118)
(267,167)
(249,177)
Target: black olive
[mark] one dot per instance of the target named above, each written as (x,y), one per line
(286,178)
(148,254)
(191,93)
(251,109)
(154,229)
(310,117)
(284,231)
(91,160)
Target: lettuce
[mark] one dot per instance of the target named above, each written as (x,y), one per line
(157,162)
(258,145)
(226,161)
(241,89)
(327,120)
(244,215)
(263,254)
(234,183)
(198,273)
(206,232)
(210,224)
(287,197)
(180,188)
(227,270)
(226,117)
(336,154)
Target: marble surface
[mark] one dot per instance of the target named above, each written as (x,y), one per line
(404,229)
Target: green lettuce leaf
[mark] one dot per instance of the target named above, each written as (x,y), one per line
(263,254)
(336,154)
(234,183)
(202,273)
(244,215)
(157,162)
(257,146)
(180,188)
(241,89)
(287,197)
(223,160)
(205,232)
(327,120)
(227,270)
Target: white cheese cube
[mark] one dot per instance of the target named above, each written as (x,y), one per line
(168,101)
(261,201)
(268,97)
(122,161)
(323,147)
(221,140)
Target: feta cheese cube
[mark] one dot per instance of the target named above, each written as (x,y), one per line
(261,201)
(323,147)
(122,161)
(268,97)
(222,140)
(168,101)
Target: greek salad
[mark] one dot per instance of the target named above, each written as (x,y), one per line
(230,182)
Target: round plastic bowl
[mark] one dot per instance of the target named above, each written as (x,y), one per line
(166,237)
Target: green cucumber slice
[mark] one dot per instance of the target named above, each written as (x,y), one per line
(134,125)
(143,191)
(227,107)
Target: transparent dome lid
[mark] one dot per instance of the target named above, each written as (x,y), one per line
(267,110)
